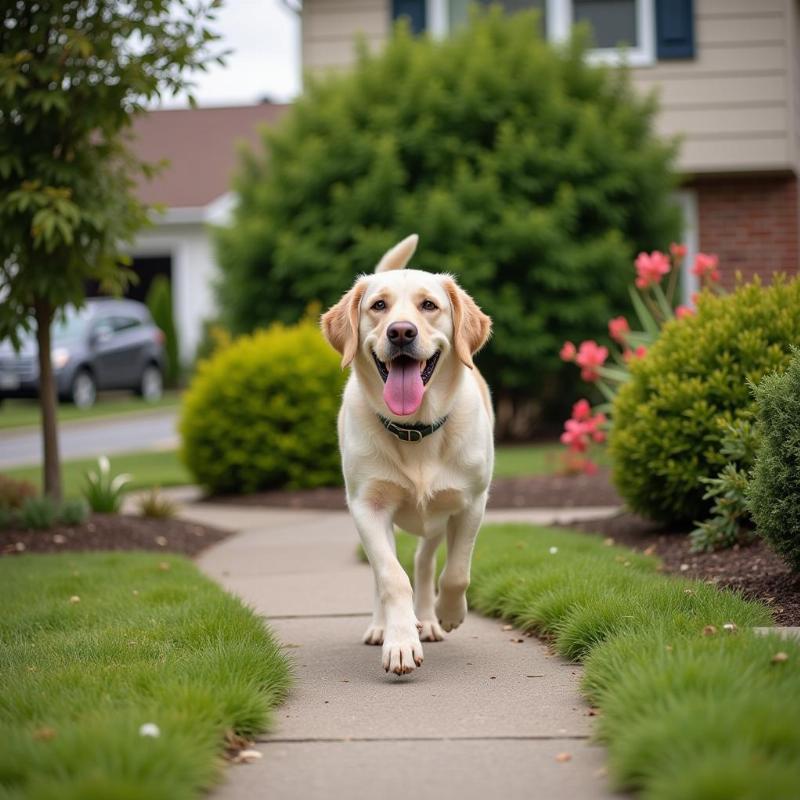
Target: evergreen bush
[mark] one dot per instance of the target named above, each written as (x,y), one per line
(774,491)
(159,301)
(261,413)
(671,416)
(531,174)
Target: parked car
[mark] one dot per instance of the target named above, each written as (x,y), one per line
(106,344)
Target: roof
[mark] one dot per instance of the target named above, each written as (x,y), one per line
(200,145)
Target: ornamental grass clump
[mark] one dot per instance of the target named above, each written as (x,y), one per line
(261,413)
(671,416)
(102,490)
(774,491)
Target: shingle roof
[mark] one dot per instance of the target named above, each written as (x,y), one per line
(200,145)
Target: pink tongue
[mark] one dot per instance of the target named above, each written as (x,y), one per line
(403,389)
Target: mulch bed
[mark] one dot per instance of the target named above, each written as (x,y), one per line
(753,568)
(114,532)
(564,491)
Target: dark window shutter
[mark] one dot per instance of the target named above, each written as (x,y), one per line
(674,29)
(414,10)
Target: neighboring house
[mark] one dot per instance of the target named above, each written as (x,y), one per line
(728,76)
(199,147)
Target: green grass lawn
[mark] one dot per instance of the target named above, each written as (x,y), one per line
(142,645)
(159,468)
(686,710)
(513,461)
(22,413)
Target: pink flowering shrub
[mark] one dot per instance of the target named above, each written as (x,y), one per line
(607,368)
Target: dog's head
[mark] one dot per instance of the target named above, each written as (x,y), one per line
(406,331)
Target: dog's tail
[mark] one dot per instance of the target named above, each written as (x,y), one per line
(399,255)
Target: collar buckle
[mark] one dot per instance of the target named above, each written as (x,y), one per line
(414,432)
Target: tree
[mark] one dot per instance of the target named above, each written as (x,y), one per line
(531,174)
(73,74)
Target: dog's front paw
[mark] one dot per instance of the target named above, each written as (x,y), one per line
(451,609)
(430,631)
(373,634)
(402,651)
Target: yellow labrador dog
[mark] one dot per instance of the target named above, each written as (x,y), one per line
(416,437)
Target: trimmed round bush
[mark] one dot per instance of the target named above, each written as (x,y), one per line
(669,418)
(774,491)
(261,413)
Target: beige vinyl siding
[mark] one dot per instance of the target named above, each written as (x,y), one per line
(331,26)
(736,105)
(733,103)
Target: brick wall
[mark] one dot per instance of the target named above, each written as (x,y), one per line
(751,223)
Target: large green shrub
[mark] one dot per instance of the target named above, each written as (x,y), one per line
(261,413)
(774,491)
(669,419)
(159,301)
(531,174)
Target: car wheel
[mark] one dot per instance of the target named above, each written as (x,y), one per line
(151,386)
(84,390)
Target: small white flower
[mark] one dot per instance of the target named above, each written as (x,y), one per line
(104,464)
(553,551)
(150,729)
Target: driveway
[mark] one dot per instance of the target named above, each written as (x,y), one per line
(148,430)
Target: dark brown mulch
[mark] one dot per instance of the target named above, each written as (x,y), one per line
(753,568)
(564,491)
(114,532)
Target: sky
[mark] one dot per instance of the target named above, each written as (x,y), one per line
(264,36)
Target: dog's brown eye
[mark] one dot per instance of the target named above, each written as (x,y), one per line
(429,305)
(379,305)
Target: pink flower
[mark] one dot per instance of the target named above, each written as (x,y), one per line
(583,428)
(581,410)
(567,352)
(684,311)
(678,251)
(651,268)
(618,328)
(639,352)
(591,356)
(706,267)
(574,436)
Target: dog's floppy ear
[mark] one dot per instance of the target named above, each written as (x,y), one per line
(340,323)
(471,327)
(399,255)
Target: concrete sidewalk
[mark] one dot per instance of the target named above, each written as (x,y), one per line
(485,715)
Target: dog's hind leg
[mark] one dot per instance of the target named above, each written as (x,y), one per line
(425,588)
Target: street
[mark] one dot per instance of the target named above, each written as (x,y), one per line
(148,430)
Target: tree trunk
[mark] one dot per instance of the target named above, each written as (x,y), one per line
(47,402)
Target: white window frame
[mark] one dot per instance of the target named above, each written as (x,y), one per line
(559,23)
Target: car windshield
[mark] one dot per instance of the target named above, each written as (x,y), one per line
(71,325)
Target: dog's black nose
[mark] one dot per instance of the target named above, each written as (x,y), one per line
(401,333)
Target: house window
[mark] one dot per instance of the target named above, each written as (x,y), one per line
(629,24)
(457,11)
(614,23)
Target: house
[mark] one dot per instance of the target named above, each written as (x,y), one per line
(728,76)
(199,148)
